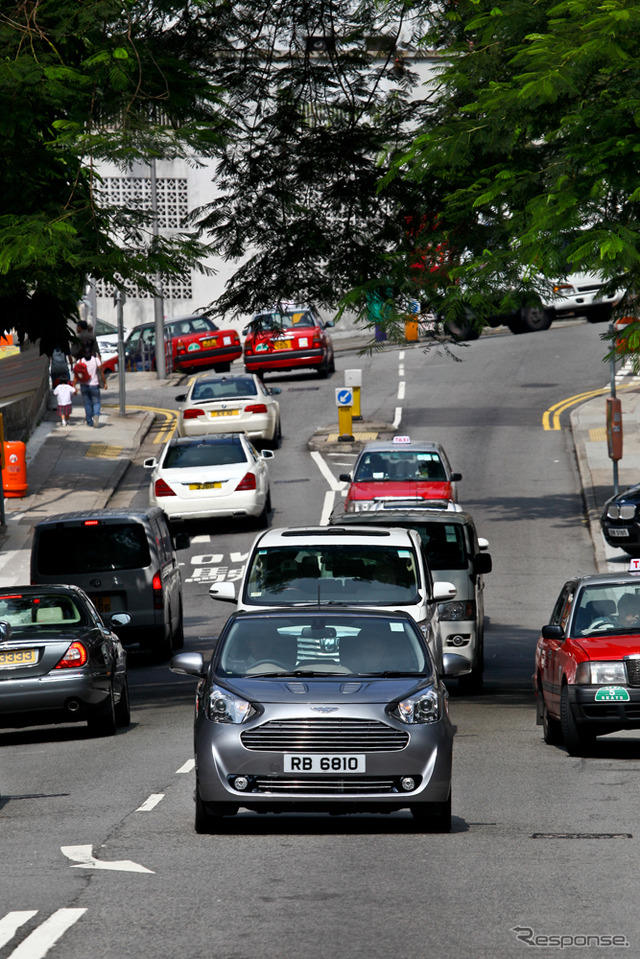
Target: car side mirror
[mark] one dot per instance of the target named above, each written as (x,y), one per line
(182,541)
(181,398)
(456,477)
(120,619)
(246,330)
(5,631)
(224,591)
(443,591)
(267,454)
(274,391)
(345,477)
(551,631)
(455,665)
(483,543)
(150,463)
(482,563)
(329,324)
(189,664)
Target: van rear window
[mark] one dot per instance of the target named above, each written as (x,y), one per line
(92,549)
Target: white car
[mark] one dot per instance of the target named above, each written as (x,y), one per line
(324,566)
(227,403)
(210,477)
(580,294)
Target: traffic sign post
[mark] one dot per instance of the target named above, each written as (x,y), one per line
(353,379)
(344,402)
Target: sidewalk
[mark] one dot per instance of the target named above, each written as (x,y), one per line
(79,467)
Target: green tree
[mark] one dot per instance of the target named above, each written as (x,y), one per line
(83,82)
(320,101)
(529,159)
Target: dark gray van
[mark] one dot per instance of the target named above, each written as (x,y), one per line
(125,560)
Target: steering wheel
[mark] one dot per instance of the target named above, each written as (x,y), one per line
(602,623)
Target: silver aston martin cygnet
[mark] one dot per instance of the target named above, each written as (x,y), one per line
(318,709)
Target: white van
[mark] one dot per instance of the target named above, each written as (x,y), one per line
(377,568)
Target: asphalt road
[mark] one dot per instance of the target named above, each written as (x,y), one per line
(541,842)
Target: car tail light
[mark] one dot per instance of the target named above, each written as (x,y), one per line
(317,342)
(75,656)
(256,408)
(246,483)
(163,489)
(192,414)
(156,585)
(180,347)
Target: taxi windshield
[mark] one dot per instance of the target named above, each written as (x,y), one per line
(400,466)
(607,609)
(323,646)
(376,575)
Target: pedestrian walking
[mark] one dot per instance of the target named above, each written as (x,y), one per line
(85,337)
(59,364)
(64,393)
(89,374)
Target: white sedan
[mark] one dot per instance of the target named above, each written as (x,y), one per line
(210,477)
(224,403)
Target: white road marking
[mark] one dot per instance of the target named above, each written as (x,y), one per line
(10,923)
(333,483)
(401,355)
(202,538)
(397,417)
(83,858)
(207,559)
(40,941)
(401,386)
(327,507)
(239,557)
(188,766)
(151,802)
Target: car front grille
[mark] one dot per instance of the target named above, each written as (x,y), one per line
(326,786)
(324,735)
(633,670)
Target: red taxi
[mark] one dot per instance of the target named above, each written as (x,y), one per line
(587,663)
(196,343)
(399,473)
(290,338)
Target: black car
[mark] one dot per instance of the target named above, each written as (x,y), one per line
(59,661)
(620,521)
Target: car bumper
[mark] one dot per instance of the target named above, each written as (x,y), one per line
(51,699)
(207,357)
(220,757)
(242,504)
(618,714)
(293,359)
(621,536)
(258,428)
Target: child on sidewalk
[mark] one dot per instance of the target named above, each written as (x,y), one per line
(64,393)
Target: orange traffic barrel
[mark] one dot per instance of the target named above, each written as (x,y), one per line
(621,340)
(14,474)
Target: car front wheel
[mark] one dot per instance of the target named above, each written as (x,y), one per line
(576,740)
(209,818)
(432,816)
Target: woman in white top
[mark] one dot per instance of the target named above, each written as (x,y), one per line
(90,389)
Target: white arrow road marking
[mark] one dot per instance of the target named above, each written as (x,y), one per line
(188,766)
(239,557)
(10,923)
(84,859)
(40,941)
(151,802)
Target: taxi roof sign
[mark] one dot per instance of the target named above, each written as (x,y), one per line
(401,439)
(634,566)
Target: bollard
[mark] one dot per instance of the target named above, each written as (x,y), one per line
(353,380)
(344,402)
(14,474)
(411,330)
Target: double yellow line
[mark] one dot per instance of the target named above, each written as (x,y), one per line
(551,417)
(166,429)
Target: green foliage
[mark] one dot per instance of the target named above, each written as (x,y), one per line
(84,81)
(528,159)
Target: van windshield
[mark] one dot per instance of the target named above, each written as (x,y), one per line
(375,575)
(92,549)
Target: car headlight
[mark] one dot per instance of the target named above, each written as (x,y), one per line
(223,707)
(424,707)
(360,505)
(601,674)
(457,611)
(621,511)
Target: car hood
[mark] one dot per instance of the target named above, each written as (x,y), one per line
(343,691)
(424,489)
(610,647)
(631,495)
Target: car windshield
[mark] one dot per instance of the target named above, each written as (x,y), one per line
(444,545)
(283,321)
(221,453)
(40,610)
(224,389)
(403,465)
(607,609)
(313,645)
(376,575)
(92,547)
